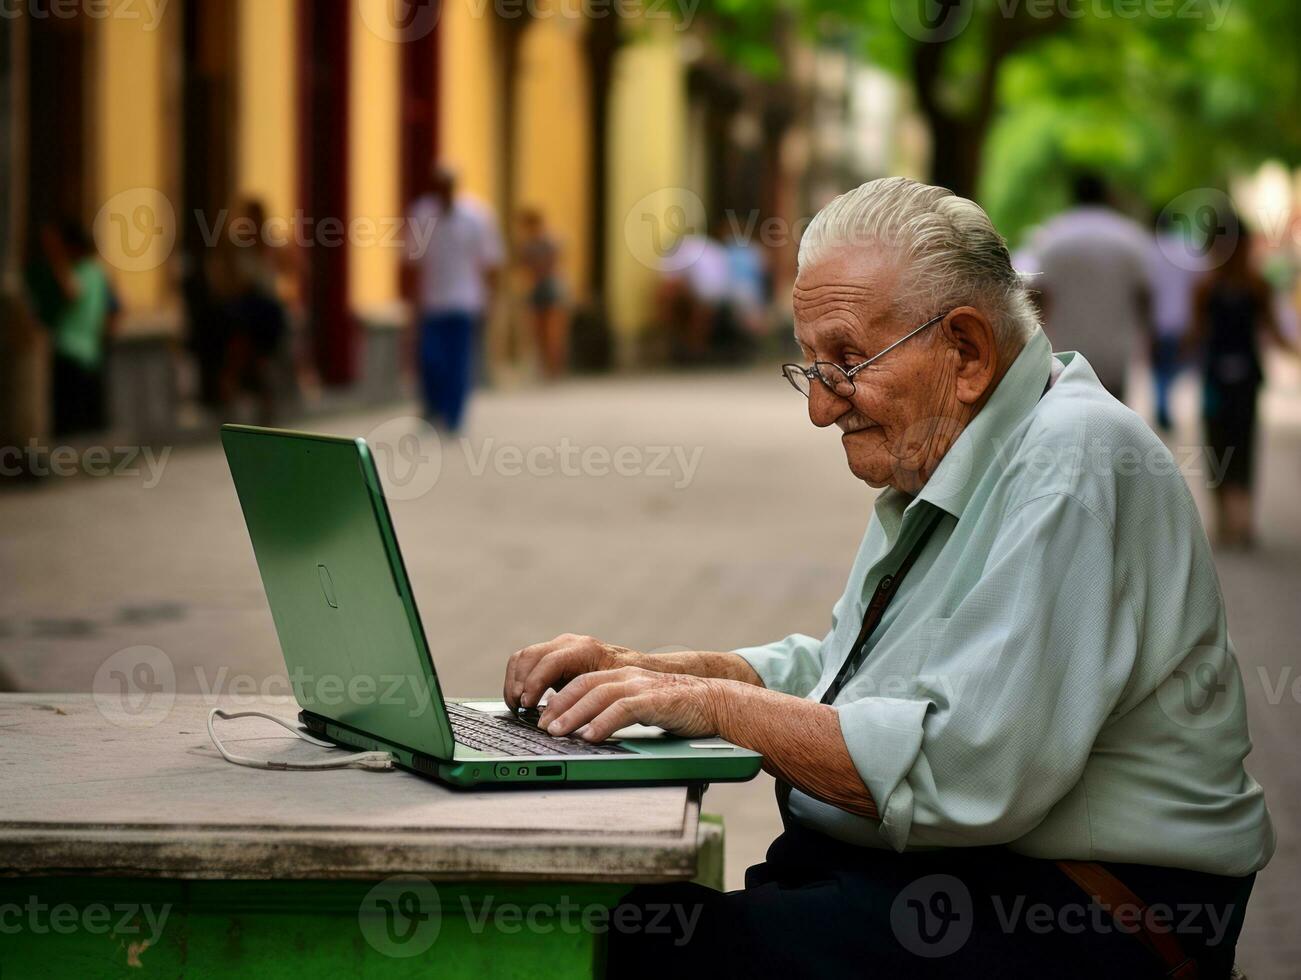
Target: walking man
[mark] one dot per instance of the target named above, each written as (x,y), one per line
(455,247)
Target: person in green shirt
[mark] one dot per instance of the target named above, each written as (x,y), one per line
(78,320)
(1027,695)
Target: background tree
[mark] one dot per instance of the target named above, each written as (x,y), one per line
(1161,96)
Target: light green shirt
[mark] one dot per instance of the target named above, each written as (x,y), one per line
(1055,672)
(79,330)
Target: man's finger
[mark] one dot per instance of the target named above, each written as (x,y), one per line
(565,697)
(519,665)
(551,670)
(591,704)
(508,682)
(515,667)
(620,714)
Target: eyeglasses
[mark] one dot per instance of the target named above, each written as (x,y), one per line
(840,380)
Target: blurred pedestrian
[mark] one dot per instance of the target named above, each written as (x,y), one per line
(1093,282)
(539,260)
(694,294)
(259,323)
(79,312)
(748,288)
(207,332)
(1173,270)
(1232,306)
(454,244)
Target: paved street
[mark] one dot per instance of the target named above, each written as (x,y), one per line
(691,511)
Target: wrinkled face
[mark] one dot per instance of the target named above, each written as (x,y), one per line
(906,411)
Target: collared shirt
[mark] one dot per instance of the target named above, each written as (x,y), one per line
(452,253)
(1093,267)
(1054,673)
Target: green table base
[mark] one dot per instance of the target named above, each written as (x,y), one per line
(136,852)
(99,927)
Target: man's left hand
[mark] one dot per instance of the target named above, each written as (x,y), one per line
(598,704)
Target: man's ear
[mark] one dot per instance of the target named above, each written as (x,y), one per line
(972,336)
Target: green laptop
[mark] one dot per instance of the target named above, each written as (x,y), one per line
(358,657)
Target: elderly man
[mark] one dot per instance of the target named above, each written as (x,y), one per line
(1019,748)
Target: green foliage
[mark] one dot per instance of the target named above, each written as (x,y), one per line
(1161,96)
(1160,106)
(745,33)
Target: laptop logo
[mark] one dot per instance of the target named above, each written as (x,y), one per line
(327,586)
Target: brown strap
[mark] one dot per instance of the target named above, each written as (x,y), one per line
(885,591)
(876,606)
(1111,893)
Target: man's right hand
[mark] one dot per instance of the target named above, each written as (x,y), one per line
(530,671)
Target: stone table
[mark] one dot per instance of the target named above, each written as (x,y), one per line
(123,846)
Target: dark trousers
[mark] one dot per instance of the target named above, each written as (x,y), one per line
(447,344)
(817,907)
(78,397)
(1230,416)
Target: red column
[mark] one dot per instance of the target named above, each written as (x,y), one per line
(324,60)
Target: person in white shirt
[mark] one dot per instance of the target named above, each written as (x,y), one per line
(454,245)
(696,286)
(1093,282)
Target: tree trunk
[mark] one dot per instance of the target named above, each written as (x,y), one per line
(602,45)
(958,132)
(955,154)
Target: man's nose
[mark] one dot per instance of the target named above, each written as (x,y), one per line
(825,406)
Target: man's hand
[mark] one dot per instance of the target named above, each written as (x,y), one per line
(691,694)
(530,671)
(598,704)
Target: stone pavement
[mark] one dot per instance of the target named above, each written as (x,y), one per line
(689,511)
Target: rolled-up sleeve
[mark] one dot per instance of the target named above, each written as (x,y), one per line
(792,665)
(1011,697)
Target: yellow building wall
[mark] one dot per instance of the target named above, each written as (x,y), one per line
(647,164)
(374,186)
(551,168)
(267,142)
(133,186)
(470,102)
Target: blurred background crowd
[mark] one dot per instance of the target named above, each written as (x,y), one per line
(258,209)
(219,209)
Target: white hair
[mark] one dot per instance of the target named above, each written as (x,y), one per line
(948,251)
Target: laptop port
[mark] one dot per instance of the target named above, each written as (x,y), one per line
(424,763)
(550,770)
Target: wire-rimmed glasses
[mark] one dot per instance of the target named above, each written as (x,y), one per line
(840,380)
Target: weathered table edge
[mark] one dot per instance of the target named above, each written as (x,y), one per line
(62,848)
(170,852)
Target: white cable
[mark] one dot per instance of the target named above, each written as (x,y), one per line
(360,760)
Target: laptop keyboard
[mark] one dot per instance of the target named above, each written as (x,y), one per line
(491,733)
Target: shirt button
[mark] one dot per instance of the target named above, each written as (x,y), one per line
(887,582)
